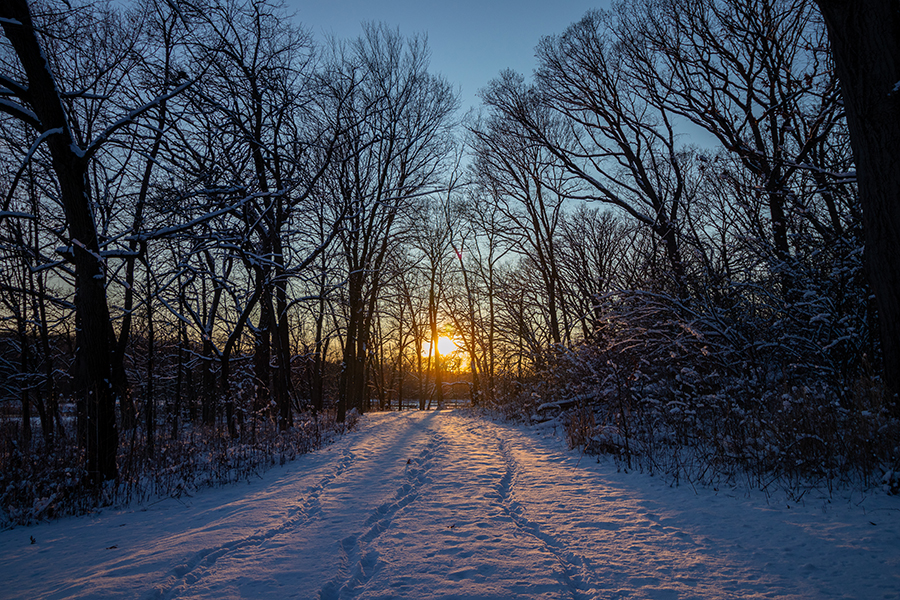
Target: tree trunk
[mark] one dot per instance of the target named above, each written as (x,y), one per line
(865,40)
(208,386)
(49,379)
(316,385)
(281,337)
(420,371)
(350,386)
(175,413)
(435,351)
(70,165)
(24,388)
(149,402)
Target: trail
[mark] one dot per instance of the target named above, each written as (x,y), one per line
(440,505)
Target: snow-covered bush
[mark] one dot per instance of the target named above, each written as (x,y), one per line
(773,394)
(39,483)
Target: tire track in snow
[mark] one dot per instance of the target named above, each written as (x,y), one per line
(358,563)
(184,575)
(578,570)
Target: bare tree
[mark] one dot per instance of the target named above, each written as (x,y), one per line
(754,75)
(585,109)
(432,243)
(33,95)
(257,63)
(528,184)
(481,255)
(399,139)
(594,250)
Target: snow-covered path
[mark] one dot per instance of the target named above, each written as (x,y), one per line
(438,505)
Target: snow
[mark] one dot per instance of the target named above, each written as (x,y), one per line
(441,505)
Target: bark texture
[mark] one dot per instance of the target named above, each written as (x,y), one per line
(865,40)
(70,165)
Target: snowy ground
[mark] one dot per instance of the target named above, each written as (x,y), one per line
(438,505)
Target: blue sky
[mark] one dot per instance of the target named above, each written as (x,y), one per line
(471,41)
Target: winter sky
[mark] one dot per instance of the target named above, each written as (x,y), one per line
(471,41)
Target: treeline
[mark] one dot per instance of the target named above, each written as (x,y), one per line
(214,228)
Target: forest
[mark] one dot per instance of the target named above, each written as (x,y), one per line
(221,241)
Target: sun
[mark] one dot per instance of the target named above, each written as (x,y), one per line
(447,345)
